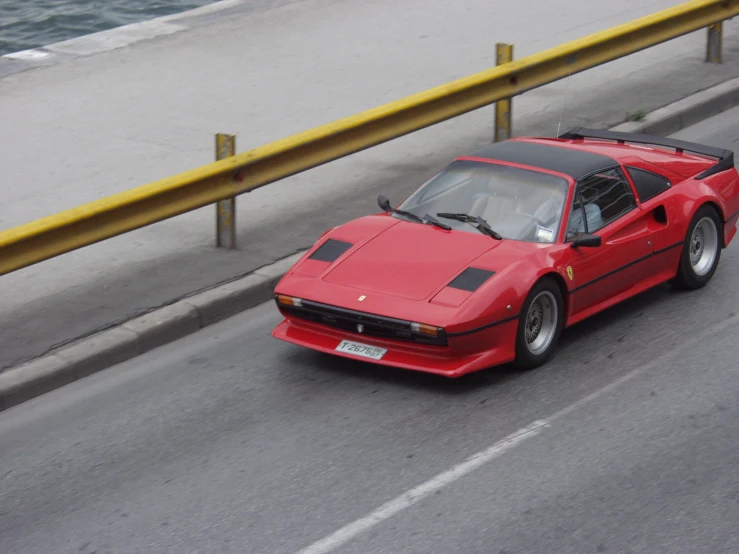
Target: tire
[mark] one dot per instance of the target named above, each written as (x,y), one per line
(539,325)
(701,250)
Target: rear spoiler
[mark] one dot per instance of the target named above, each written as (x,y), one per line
(725,157)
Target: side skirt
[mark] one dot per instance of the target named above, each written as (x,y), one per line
(625,295)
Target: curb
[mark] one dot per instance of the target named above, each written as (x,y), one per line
(184,317)
(142,334)
(686,112)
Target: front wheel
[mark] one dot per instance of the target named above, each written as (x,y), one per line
(539,324)
(701,250)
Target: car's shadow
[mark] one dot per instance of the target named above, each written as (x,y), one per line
(578,338)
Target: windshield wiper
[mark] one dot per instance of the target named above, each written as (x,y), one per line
(425,219)
(431,219)
(409,215)
(482,225)
(384,203)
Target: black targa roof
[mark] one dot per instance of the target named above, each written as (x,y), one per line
(576,163)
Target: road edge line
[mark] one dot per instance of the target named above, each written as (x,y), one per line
(167,324)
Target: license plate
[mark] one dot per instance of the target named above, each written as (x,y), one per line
(359,349)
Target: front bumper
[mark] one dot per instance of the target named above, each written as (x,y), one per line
(366,324)
(458,356)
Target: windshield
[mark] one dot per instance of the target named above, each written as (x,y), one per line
(517,203)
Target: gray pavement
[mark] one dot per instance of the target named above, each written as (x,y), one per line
(229,441)
(93,125)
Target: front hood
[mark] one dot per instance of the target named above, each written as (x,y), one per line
(409,260)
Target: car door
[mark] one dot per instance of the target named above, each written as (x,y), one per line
(661,210)
(623,259)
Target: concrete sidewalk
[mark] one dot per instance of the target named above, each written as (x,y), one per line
(77,127)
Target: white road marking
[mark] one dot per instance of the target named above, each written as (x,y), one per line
(423,490)
(408,498)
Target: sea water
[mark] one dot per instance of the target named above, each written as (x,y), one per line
(26,24)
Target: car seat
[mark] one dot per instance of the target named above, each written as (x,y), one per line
(493,207)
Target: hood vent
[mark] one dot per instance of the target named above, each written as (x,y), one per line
(471,279)
(330,250)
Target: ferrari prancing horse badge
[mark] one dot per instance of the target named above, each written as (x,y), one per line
(569,272)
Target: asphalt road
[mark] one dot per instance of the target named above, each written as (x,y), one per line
(229,441)
(265,69)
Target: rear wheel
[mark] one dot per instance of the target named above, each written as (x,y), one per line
(701,250)
(539,324)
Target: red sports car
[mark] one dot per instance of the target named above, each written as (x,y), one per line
(489,260)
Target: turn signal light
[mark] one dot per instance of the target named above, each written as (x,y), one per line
(425,329)
(289,301)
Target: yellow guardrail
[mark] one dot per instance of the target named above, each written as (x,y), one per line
(222,180)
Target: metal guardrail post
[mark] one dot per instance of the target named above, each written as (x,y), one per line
(715,40)
(226,209)
(503,54)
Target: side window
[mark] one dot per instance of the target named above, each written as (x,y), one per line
(605,197)
(647,184)
(576,223)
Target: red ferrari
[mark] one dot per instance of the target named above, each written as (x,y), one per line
(489,260)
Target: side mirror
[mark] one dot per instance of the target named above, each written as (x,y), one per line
(586,240)
(384,204)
